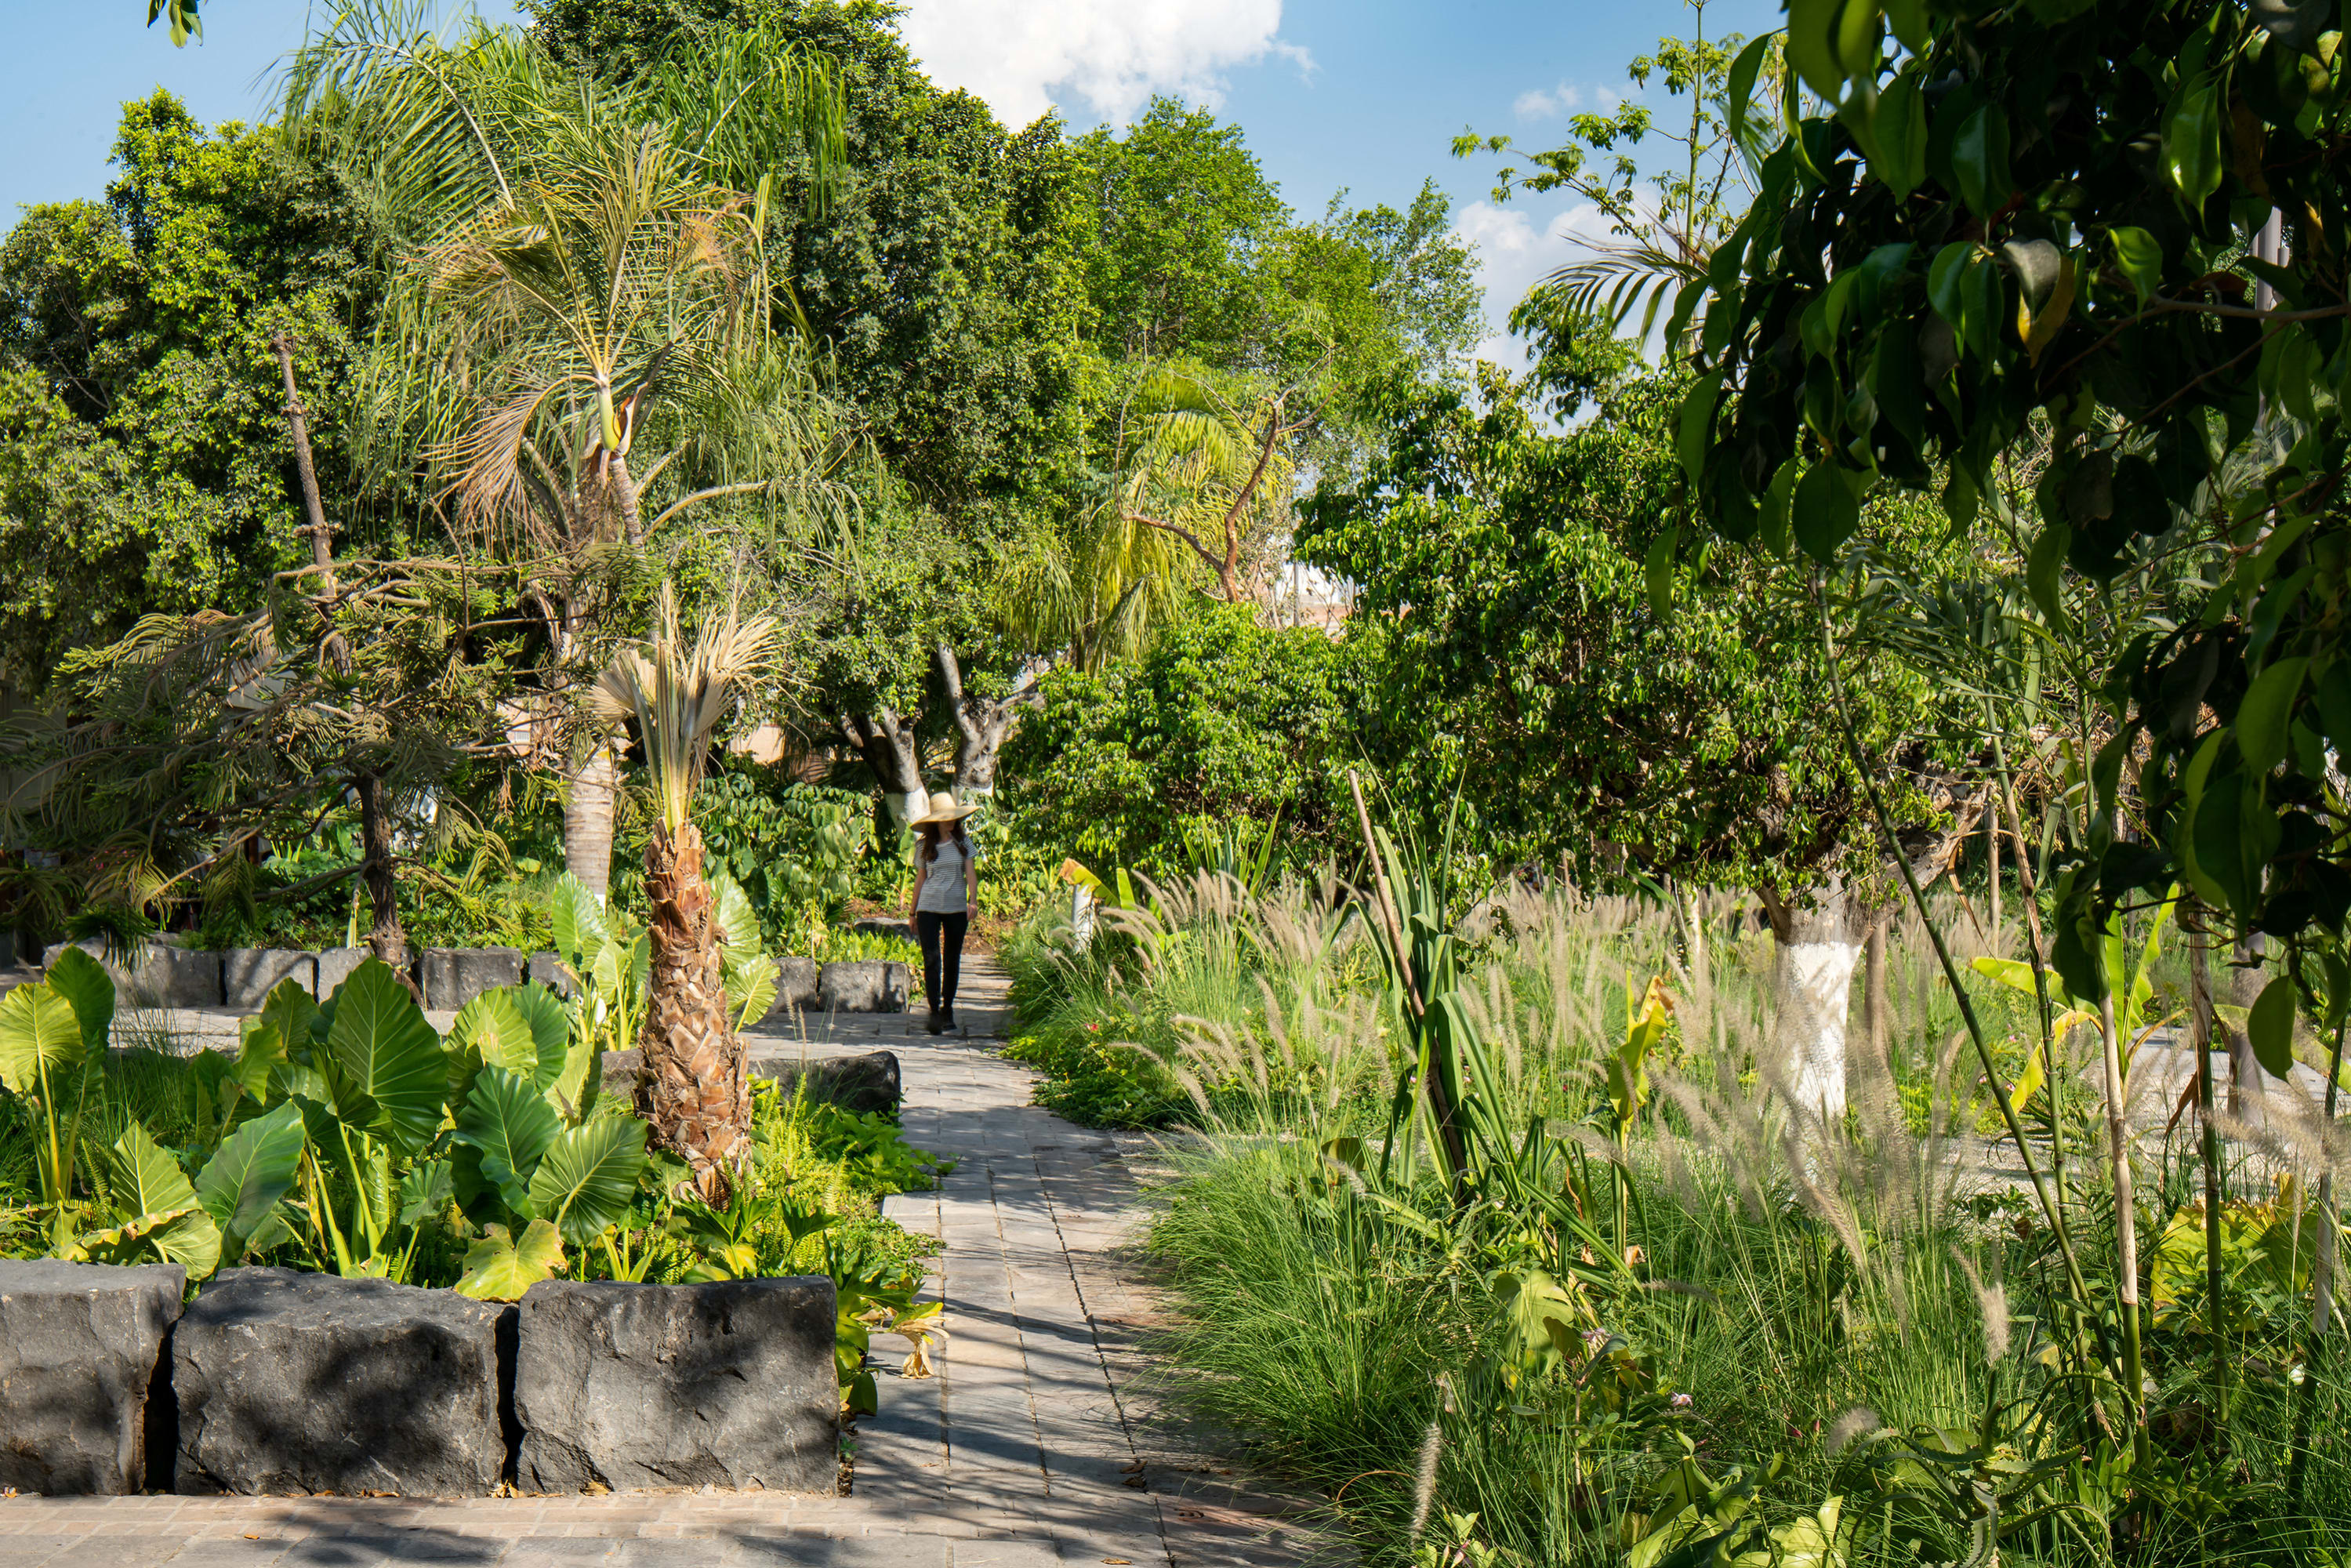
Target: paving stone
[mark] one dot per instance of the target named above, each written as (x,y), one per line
(865,985)
(550,970)
(335,967)
(868,1082)
(796,988)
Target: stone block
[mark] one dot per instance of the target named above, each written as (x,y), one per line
(868,1082)
(80,1348)
(634,1386)
(548,970)
(159,975)
(452,977)
(796,986)
(335,967)
(249,974)
(865,985)
(880,927)
(290,1382)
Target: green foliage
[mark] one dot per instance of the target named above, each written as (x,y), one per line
(1225,718)
(792,850)
(145,465)
(1509,625)
(938,273)
(1809,1353)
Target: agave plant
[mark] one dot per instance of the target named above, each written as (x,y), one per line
(692,1089)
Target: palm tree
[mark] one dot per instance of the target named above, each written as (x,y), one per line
(579,292)
(1203,478)
(692,1089)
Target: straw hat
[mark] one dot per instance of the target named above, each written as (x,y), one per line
(943,808)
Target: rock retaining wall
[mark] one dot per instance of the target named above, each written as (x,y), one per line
(275,1382)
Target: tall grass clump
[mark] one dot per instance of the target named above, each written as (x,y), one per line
(1656,1311)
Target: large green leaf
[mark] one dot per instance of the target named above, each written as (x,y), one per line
(262,1050)
(147,1181)
(389,1072)
(580,930)
(550,1028)
(2269,1027)
(38,1032)
(589,1176)
(488,1030)
(295,1016)
(83,981)
(253,1167)
(508,1120)
(731,912)
(499,1269)
(425,1191)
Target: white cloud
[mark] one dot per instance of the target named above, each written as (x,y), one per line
(1025,55)
(1518,247)
(1545,103)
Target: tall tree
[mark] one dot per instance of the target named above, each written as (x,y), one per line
(577,295)
(1528,633)
(147,468)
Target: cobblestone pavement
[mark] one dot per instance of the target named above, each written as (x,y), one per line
(1039,1442)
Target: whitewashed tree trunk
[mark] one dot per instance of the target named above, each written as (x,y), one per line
(1816,957)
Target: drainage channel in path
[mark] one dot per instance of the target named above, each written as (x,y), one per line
(1040,1440)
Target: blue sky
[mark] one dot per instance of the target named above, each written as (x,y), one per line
(1360,94)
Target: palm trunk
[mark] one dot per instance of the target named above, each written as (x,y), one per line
(588,819)
(691,1090)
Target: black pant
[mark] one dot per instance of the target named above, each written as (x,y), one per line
(942,939)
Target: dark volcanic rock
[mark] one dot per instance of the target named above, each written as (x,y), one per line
(159,975)
(548,970)
(865,985)
(249,974)
(796,986)
(80,1343)
(855,1084)
(290,1382)
(635,1386)
(335,967)
(452,977)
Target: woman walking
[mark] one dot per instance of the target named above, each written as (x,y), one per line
(947,880)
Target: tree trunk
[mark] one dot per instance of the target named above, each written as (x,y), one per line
(691,1090)
(588,806)
(888,747)
(1991,858)
(1873,986)
(1816,955)
(628,503)
(386,938)
(981,724)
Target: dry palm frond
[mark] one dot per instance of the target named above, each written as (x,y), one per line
(677,692)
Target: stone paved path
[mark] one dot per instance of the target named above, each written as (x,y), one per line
(1039,1442)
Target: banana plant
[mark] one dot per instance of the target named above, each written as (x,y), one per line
(534,1183)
